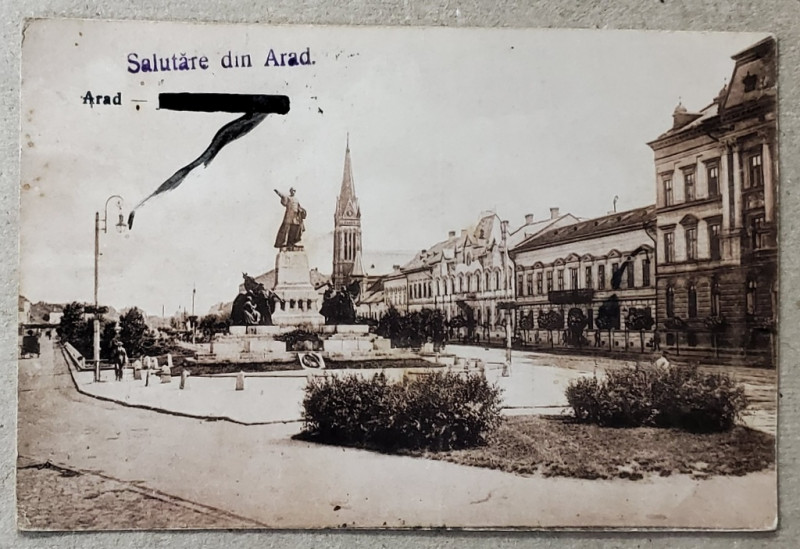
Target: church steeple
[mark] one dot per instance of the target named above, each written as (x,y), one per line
(347,203)
(347,227)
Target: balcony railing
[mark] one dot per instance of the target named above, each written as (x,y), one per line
(564,297)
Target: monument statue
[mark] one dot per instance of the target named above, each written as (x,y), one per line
(292,226)
(255,306)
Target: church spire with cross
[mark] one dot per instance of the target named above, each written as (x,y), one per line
(346,228)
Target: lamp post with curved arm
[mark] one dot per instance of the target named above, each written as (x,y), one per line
(102,225)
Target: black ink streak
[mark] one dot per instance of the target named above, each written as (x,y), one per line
(255,107)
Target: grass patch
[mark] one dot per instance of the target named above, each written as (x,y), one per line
(250,367)
(379,363)
(560,446)
(232,367)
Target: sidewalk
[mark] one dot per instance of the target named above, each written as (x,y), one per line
(536,385)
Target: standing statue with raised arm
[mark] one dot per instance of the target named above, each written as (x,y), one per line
(292,228)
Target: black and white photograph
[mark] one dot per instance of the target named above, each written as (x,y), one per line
(332,277)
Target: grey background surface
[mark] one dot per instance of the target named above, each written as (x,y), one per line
(781,17)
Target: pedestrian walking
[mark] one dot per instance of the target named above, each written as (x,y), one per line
(120,358)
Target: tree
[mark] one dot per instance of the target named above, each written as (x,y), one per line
(133,332)
(550,320)
(639,320)
(608,317)
(576,322)
(212,324)
(72,324)
(107,336)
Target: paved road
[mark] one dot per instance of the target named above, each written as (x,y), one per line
(259,473)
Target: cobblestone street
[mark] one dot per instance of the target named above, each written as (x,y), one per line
(55,498)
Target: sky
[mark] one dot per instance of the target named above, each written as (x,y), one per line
(443,124)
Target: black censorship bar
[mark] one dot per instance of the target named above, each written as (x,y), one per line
(224,102)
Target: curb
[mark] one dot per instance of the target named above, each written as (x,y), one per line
(72,368)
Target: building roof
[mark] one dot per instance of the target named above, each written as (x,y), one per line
(531,229)
(758,58)
(592,228)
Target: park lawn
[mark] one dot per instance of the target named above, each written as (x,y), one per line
(559,446)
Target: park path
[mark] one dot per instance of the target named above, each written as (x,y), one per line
(260,473)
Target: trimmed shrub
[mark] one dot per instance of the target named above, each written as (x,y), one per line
(438,411)
(674,396)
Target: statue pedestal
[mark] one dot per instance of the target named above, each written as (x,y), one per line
(301,302)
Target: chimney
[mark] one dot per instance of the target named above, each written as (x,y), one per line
(504,227)
(528,219)
(553,213)
(451,234)
(463,233)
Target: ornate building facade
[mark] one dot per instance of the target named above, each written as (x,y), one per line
(572,269)
(717,215)
(347,230)
(467,275)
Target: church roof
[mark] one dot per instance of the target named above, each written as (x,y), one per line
(347,193)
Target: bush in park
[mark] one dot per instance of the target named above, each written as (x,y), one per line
(673,397)
(438,411)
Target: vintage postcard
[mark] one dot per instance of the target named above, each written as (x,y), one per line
(342,277)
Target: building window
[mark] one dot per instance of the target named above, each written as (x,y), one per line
(756,232)
(573,278)
(750,298)
(668,198)
(549,281)
(478,279)
(691,243)
(539,283)
(670,302)
(713,241)
(631,275)
(712,174)
(486,281)
(646,273)
(560,279)
(497,280)
(588,277)
(520,283)
(754,171)
(688,185)
(614,269)
(692,301)
(715,308)
(601,277)
(669,247)
(530,284)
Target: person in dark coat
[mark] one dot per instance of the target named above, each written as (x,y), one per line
(120,358)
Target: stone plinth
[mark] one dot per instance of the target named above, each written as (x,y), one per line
(301,302)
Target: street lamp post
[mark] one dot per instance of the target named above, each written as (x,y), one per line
(101,226)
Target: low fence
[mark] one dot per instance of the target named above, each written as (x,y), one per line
(77,358)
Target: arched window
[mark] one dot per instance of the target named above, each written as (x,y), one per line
(670,302)
(497,280)
(692,301)
(478,281)
(750,298)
